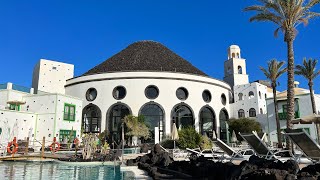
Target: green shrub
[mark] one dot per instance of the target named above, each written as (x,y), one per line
(167,143)
(206,143)
(189,138)
(243,125)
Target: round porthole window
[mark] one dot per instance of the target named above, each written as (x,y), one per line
(91,94)
(206,96)
(152,92)
(119,92)
(223,99)
(182,93)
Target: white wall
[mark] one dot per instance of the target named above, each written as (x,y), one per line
(50,76)
(247,102)
(135,84)
(15,124)
(50,110)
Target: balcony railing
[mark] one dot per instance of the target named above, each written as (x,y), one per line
(283,116)
(20,88)
(3,86)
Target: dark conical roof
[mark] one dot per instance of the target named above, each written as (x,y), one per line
(145,56)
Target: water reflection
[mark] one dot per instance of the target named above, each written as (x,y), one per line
(38,170)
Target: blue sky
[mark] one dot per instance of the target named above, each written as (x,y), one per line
(85,33)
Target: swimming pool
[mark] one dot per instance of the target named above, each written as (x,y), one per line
(53,170)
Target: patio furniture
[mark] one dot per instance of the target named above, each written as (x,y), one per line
(232,153)
(305,143)
(198,152)
(258,145)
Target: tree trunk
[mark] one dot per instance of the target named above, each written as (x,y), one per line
(276,114)
(290,89)
(314,109)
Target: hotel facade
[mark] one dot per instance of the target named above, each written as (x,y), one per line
(146,79)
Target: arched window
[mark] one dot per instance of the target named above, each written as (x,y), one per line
(239,70)
(240,96)
(116,114)
(238,55)
(241,113)
(182,116)
(233,55)
(261,111)
(265,96)
(223,99)
(259,94)
(91,119)
(251,94)
(153,116)
(207,121)
(252,112)
(223,117)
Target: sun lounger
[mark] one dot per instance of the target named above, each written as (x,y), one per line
(198,152)
(258,146)
(226,149)
(305,143)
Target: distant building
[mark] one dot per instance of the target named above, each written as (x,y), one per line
(302,108)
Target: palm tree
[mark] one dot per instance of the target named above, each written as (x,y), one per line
(308,71)
(273,72)
(286,15)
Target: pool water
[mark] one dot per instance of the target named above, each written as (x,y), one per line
(52,170)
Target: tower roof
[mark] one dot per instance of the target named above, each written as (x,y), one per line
(145,56)
(234,47)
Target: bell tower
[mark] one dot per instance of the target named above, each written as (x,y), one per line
(235,67)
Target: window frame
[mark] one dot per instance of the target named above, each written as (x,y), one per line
(252,112)
(69,112)
(240,112)
(117,88)
(146,91)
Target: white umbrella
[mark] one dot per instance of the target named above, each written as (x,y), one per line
(265,138)
(313,118)
(234,137)
(214,136)
(174,134)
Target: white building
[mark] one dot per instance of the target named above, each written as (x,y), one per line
(302,108)
(146,78)
(46,114)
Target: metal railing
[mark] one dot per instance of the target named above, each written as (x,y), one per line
(3,86)
(20,88)
(283,116)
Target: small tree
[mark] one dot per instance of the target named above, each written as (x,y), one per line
(273,72)
(136,127)
(89,143)
(103,137)
(243,125)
